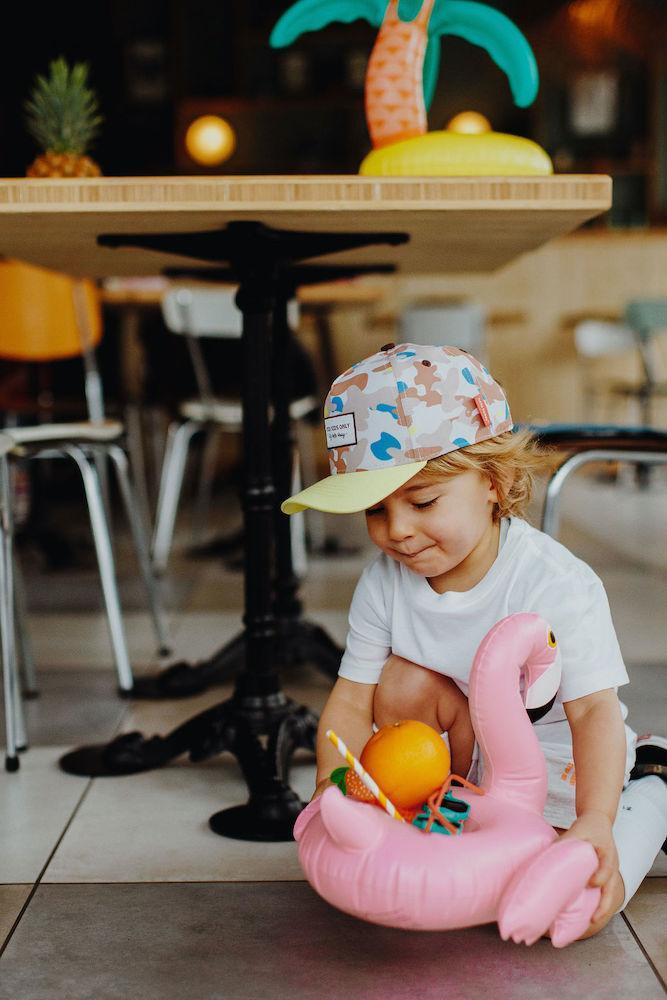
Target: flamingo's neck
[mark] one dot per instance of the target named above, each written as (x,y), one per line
(514,768)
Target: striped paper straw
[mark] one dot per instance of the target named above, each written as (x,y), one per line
(371,785)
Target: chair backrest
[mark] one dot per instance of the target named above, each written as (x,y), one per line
(197,311)
(594,338)
(46,316)
(456,324)
(646,316)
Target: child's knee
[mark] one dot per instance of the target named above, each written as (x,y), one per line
(399,689)
(409,691)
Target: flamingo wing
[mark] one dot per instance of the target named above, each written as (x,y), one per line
(311,15)
(482,25)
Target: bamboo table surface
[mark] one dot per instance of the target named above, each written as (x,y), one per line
(455,224)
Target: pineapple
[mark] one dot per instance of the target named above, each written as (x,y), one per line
(61,115)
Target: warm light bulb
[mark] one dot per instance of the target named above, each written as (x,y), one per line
(210,140)
(469,123)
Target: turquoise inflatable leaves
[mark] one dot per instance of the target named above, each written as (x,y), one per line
(508,47)
(477,23)
(311,15)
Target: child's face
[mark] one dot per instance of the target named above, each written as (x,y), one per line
(433,525)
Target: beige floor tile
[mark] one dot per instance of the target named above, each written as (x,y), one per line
(331,591)
(659,868)
(78,640)
(198,634)
(627,519)
(277,941)
(160,717)
(154,828)
(637,601)
(304,685)
(37,803)
(646,915)
(333,621)
(217,590)
(12,900)
(314,695)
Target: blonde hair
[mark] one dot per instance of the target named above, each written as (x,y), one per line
(510,460)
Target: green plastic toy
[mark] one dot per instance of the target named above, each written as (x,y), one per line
(477,23)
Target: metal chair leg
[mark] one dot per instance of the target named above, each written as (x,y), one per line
(105,560)
(550,512)
(25,655)
(8,542)
(10,683)
(171,481)
(120,460)
(202,504)
(20,730)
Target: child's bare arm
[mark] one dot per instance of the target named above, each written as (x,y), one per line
(598,742)
(349,712)
(599,747)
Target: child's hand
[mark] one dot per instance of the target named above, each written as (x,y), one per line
(321,785)
(595,827)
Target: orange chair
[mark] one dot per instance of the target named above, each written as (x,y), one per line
(42,320)
(45,316)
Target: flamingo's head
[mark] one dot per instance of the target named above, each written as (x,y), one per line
(542,672)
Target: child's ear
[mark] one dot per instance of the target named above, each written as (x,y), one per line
(493,490)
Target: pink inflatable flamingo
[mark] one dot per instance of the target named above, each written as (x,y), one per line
(508,865)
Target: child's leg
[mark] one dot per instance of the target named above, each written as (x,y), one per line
(408,691)
(640,830)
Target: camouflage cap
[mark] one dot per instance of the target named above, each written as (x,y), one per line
(386,416)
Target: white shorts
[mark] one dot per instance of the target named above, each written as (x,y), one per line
(560,807)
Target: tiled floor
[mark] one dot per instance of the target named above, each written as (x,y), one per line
(116,888)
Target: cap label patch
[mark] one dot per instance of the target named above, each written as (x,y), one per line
(340,430)
(483,410)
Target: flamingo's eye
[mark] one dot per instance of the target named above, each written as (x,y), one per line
(551,640)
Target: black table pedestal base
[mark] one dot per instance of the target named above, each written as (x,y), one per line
(261,731)
(298,642)
(269,817)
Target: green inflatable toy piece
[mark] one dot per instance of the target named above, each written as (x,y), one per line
(509,48)
(311,15)
(477,23)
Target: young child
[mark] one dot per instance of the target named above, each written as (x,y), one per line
(420,438)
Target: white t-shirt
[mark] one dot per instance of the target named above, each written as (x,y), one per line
(396,611)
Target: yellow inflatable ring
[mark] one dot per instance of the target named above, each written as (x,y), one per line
(453,154)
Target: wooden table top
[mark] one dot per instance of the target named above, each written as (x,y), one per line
(455,223)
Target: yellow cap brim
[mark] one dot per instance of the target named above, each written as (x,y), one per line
(350,492)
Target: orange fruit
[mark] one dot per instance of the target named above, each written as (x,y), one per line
(409,760)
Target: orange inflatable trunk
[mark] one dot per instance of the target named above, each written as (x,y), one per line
(395,108)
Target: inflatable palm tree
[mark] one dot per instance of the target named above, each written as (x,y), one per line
(402,74)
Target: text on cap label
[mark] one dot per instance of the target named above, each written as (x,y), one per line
(340,430)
